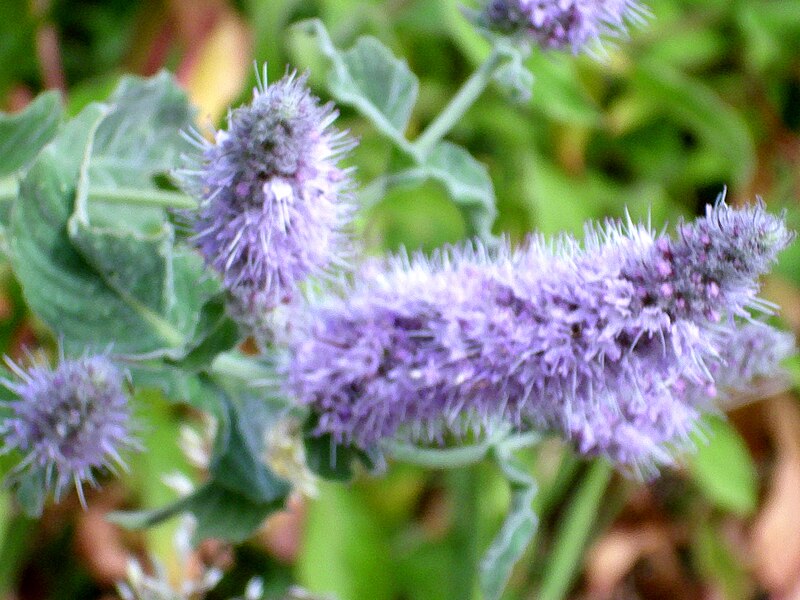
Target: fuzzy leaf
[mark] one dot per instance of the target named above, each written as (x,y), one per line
(468,183)
(238,464)
(23,135)
(141,136)
(371,79)
(109,275)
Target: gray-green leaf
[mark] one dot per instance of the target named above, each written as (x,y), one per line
(371,79)
(24,134)
(105,276)
(468,183)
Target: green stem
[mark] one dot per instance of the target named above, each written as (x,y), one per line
(574,531)
(141,197)
(9,189)
(551,495)
(438,458)
(459,104)
(454,458)
(465,488)
(240,366)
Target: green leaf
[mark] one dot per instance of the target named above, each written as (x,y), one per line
(371,79)
(108,275)
(573,532)
(226,514)
(330,460)
(241,491)
(23,135)
(220,513)
(717,563)
(468,183)
(177,385)
(238,462)
(515,533)
(142,135)
(31,491)
(215,333)
(723,469)
(515,79)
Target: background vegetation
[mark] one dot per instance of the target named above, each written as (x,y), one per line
(705,95)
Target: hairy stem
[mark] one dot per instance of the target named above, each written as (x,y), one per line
(9,189)
(459,105)
(240,366)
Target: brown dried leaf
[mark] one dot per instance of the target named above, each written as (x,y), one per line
(220,67)
(614,555)
(99,543)
(775,539)
(282,532)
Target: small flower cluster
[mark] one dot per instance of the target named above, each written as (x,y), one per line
(560,24)
(68,422)
(275,203)
(613,343)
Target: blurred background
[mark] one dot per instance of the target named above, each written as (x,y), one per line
(705,96)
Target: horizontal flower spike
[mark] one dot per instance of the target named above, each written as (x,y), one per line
(275,203)
(580,339)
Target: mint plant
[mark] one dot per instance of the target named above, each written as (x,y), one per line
(153,250)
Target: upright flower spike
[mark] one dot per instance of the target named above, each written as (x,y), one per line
(68,422)
(561,24)
(615,344)
(275,203)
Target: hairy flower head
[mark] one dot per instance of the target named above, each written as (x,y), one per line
(68,422)
(556,336)
(275,202)
(560,24)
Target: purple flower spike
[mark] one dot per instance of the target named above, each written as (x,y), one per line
(617,344)
(559,24)
(68,422)
(275,203)
(753,351)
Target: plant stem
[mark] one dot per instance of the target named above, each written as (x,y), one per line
(465,488)
(458,106)
(141,197)
(439,458)
(574,531)
(9,189)
(240,366)
(454,458)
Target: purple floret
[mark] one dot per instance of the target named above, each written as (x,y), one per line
(275,204)
(585,340)
(68,422)
(560,24)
